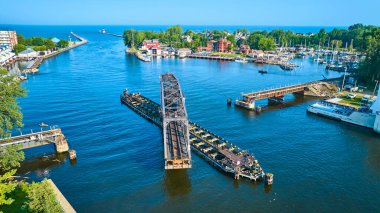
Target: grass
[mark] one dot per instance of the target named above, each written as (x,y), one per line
(228,54)
(354,102)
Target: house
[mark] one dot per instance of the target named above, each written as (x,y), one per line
(187,38)
(245,49)
(208,48)
(257,54)
(28,53)
(222,45)
(151,46)
(183,52)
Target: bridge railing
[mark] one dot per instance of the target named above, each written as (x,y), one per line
(279,89)
(32,132)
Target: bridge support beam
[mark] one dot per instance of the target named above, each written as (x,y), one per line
(276,100)
(61,144)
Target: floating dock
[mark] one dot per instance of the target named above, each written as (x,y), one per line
(214,149)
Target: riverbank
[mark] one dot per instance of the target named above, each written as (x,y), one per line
(39,60)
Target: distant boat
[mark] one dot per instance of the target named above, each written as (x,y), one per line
(263,71)
(43,124)
(103,31)
(241,61)
(286,67)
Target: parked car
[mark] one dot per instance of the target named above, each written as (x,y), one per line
(351,96)
(365,99)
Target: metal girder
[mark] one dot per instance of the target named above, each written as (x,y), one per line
(175,124)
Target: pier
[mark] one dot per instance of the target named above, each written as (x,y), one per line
(142,57)
(212,57)
(175,124)
(39,59)
(216,150)
(314,88)
(27,141)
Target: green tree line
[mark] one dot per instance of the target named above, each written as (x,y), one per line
(358,37)
(38,44)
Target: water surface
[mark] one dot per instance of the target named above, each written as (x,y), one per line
(319,165)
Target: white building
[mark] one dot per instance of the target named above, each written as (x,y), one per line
(8,39)
(29,53)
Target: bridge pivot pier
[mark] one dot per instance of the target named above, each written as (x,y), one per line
(175,124)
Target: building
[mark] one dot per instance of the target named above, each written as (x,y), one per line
(183,52)
(153,47)
(216,46)
(28,53)
(223,45)
(8,39)
(245,49)
(257,54)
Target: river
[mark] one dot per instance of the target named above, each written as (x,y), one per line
(319,165)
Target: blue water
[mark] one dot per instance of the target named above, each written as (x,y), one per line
(319,165)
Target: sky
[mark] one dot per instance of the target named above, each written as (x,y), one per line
(192,12)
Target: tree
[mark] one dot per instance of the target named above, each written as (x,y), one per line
(10,158)
(19,48)
(20,39)
(267,43)
(63,43)
(10,115)
(253,40)
(231,38)
(49,44)
(37,41)
(39,48)
(41,198)
(6,188)
(369,69)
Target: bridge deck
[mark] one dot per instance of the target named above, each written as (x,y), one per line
(52,136)
(277,92)
(175,124)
